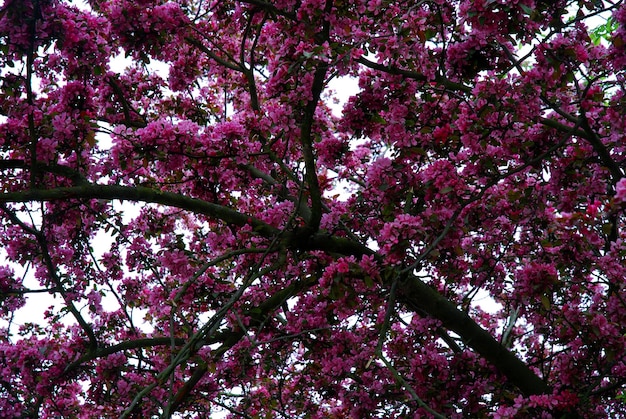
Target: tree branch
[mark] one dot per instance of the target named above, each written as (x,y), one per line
(52,271)
(412,291)
(419,296)
(414,75)
(195,42)
(270,8)
(120,347)
(142,194)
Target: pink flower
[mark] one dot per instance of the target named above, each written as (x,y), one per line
(620,191)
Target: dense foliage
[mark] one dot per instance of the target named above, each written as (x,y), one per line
(449,243)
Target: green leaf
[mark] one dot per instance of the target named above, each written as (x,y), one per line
(336,292)
(603,32)
(526,9)
(607,228)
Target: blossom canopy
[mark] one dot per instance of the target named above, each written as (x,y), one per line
(312,208)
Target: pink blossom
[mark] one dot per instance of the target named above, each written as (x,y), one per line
(620,191)
(206,232)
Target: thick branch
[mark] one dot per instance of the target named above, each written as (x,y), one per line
(306,137)
(413,292)
(419,296)
(142,194)
(306,129)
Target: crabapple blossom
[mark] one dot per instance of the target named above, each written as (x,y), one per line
(620,191)
(216,239)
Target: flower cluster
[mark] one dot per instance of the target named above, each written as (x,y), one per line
(213,237)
